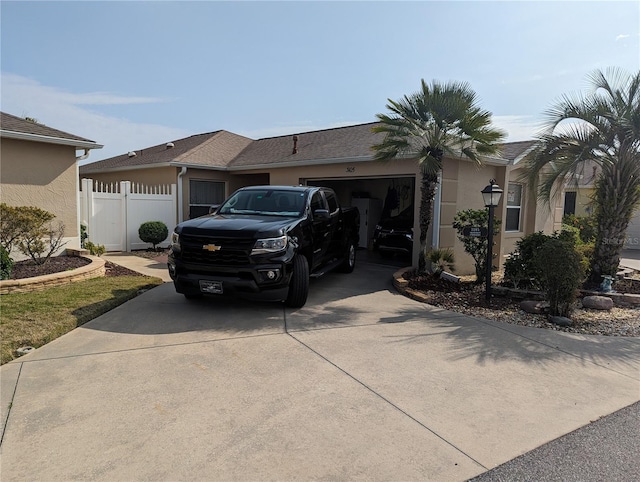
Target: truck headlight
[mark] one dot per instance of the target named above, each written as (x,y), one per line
(175,241)
(269,245)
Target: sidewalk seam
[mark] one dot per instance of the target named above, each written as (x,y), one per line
(13,396)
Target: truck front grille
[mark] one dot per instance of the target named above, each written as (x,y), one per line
(215,250)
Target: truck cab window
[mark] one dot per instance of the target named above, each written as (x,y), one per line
(332,201)
(317,202)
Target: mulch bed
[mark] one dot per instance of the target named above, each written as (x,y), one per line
(58,264)
(449,295)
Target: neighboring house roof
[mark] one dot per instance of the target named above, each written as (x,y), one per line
(516,151)
(227,151)
(13,127)
(212,149)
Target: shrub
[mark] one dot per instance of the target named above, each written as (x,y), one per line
(153,232)
(31,230)
(83,236)
(520,267)
(475,246)
(95,249)
(560,273)
(16,222)
(587,226)
(441,260)
(6,264)
(40,242)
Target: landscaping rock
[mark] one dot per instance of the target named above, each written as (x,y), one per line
(534,307)
(597,302)
(631,299)
(560,320)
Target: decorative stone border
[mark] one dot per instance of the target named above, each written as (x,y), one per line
(94,269)
(402,286)
(619,299)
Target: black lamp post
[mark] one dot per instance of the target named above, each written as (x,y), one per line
(491,195)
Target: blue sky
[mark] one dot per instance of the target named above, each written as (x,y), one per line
(130,75)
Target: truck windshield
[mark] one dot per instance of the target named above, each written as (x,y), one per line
(267,202)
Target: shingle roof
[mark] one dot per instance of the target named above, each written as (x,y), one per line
(337,143)
(210,149)
(12,123)
(225,150)
(513,150)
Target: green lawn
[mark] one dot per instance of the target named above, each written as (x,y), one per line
(34,319)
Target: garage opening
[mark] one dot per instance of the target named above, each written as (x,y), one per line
(386,206)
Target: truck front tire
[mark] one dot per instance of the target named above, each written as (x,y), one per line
(299,284)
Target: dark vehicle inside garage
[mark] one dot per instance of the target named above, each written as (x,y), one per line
(393,235)
(385,204)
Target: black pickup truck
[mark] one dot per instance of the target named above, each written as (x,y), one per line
(264,242)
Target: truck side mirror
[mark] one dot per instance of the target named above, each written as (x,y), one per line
(321,214)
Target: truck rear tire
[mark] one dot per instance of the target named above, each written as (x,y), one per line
(350,258)
(299,284)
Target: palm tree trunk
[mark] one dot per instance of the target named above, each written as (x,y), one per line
(617,195)
(609,242)
(427,191)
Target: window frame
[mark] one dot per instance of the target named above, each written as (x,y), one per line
(513,208)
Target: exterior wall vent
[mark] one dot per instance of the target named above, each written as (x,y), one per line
(170,145)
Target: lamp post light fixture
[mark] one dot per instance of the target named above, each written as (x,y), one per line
(491,195)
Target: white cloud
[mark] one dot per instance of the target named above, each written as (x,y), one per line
(622,37)
(518,127)
(66,111)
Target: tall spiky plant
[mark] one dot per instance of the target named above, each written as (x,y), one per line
(440,120)
(602,127)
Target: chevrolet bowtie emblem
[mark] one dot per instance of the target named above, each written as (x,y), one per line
(211,247)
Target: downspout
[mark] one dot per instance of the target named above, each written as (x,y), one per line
(437,203)
(82,157)
(182,172)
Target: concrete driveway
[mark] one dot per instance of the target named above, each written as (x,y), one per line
(360,384)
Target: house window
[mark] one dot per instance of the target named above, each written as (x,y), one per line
(203,195)
(570,202)
(514,207)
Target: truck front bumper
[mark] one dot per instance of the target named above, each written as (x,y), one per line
(267,282)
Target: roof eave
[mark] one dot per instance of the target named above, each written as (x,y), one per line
(24,136)
(127,168)
(495,161)
(197,166)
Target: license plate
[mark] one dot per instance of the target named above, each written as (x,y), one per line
(212,287)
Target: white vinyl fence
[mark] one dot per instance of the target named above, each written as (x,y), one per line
(113,212)
(632,240)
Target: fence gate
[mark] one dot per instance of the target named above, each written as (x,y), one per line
(113,212)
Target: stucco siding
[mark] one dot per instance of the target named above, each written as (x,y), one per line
(462,184)
(41,175)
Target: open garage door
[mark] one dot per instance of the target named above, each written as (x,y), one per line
(377,199)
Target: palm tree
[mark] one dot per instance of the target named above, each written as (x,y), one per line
(602,127)
(440,120)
